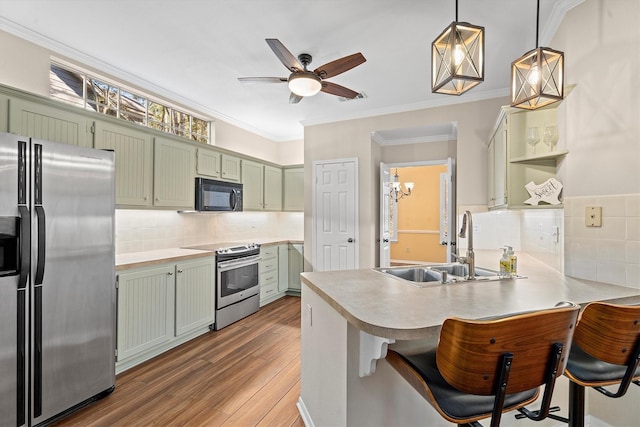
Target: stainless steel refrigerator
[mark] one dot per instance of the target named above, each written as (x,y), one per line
(57,279)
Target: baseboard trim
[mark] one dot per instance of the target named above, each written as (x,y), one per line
(304,414)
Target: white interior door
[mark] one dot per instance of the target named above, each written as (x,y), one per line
(387,224)
(335,215)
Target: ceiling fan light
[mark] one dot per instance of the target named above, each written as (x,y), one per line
(537,78)
(305,84)
(457,59)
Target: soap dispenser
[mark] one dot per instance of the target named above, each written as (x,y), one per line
(513,261)
(505,264)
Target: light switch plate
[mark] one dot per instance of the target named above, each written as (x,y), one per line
(593,216)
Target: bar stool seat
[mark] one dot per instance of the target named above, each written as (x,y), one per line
(482,368)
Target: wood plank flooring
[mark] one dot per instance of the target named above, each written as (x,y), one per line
(247,374)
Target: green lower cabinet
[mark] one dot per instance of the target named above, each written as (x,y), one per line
(163,306)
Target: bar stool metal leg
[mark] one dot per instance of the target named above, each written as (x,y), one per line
(576,405)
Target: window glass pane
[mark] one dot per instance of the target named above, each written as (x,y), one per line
(180,123)
(199,130)
(159,116)
(133,107)
(102,97)
(66,85)
(85,91)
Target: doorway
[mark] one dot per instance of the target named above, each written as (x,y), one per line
(415,225)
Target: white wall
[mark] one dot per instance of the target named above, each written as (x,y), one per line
(600,125)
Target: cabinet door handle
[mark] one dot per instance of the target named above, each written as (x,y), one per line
(170,273)
(350,240)
(179,271)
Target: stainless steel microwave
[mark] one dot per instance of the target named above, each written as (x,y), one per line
(212,195)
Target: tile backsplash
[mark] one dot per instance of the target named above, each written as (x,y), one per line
(141,230)
(610,253)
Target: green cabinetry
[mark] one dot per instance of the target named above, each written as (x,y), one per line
(230,168)
(49,123)
(173,174)
(208,163)
(293,189)
(162,306)
(134,162)
(262,187)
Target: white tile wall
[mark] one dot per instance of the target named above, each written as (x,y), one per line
(140,230)
(531,231)
(543,236)
(610,253)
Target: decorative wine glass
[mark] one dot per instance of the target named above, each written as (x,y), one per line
(533,137)
(550,136)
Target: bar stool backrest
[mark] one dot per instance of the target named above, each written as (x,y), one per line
(470,350)
(609,332)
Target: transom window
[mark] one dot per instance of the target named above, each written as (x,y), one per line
(92,93)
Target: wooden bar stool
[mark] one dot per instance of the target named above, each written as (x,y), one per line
(482,368)
(605,351)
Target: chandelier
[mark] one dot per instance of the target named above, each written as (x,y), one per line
(397,192)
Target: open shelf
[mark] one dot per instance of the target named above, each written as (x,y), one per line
(542,156)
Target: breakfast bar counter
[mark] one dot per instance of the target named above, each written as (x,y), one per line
(350,317)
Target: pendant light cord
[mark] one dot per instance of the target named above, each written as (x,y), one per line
(457,10)
(537,20)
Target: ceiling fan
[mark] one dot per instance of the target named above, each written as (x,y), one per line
(303,82)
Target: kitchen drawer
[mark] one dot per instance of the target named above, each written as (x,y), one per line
(269,290)
(268,277)
(268,251)
(268,265)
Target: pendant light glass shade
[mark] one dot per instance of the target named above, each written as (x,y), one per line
(457,58)
(537,78)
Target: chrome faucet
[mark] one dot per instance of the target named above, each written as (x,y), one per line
(470,258)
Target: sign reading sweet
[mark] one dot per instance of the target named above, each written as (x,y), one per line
(548,192)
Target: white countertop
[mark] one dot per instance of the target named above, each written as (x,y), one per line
(386,306)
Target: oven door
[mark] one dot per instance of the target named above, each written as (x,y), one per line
(237,279)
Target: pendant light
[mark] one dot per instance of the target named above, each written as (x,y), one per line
(537,77)
(457,58)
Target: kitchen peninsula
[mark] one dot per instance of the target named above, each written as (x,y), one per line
(349,318)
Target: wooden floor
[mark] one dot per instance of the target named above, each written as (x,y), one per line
(247,374)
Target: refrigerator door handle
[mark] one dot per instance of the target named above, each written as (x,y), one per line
(25,246)
(42,233)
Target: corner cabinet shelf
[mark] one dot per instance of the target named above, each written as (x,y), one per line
(513,163)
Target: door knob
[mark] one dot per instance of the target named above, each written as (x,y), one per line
(350,240)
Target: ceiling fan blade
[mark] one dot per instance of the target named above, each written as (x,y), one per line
(334,89)
(263,79)
(339,66)
(284,55)
(294,99)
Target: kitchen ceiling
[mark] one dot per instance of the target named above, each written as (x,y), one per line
(193,51)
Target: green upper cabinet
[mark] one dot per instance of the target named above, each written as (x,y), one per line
(272,188)
(134,158)
(208,163)
(230,167)
(49,123)
(252,185)
(262,187)
(173,174)
(294,189)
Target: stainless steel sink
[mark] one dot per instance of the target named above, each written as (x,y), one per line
(423,275)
